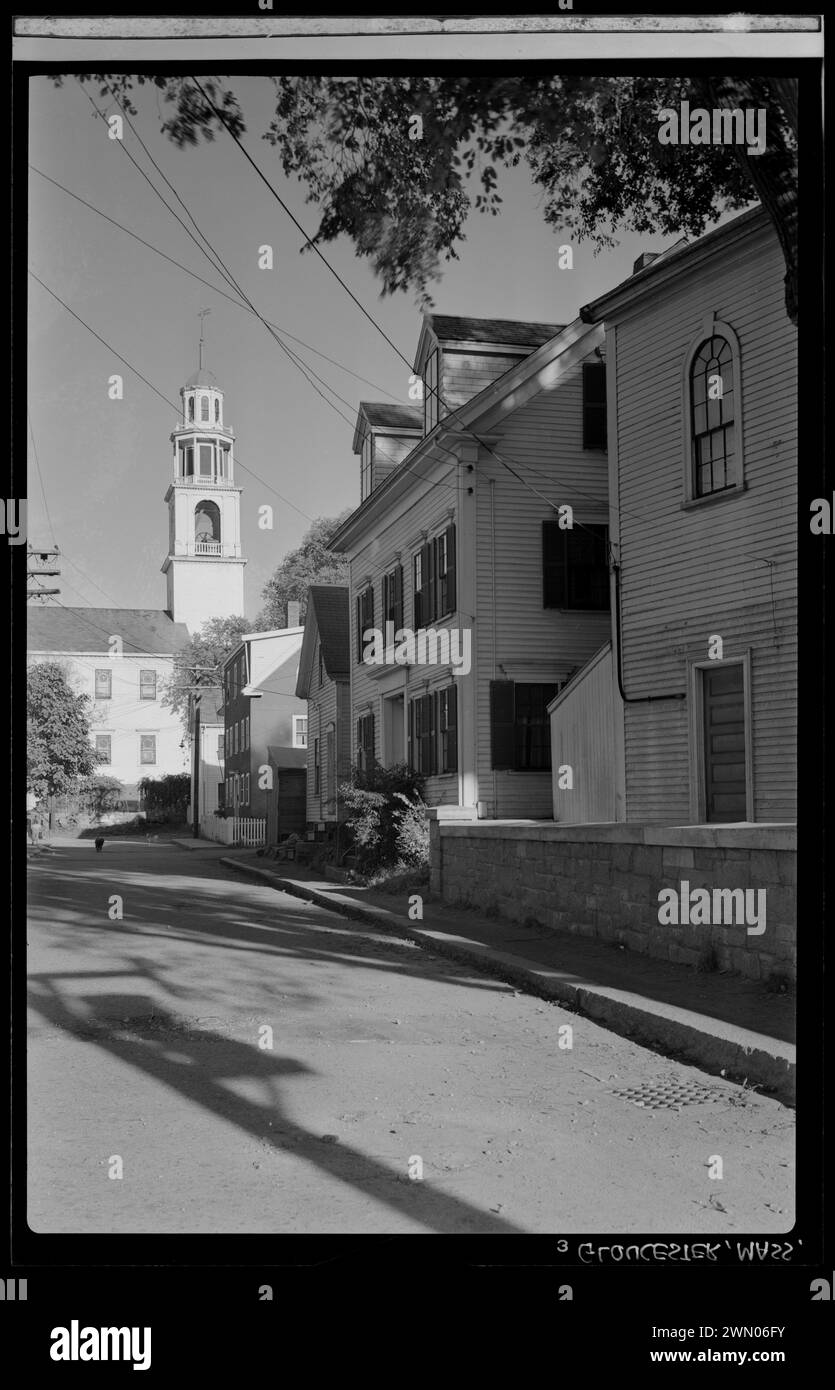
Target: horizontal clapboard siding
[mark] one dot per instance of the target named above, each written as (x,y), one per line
(583,738)
(688,574)
(514,630)
(464,374)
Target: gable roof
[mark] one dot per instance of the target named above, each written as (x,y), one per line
(385,415)
(149,631)
(676,260)
(327,619)
(456,328)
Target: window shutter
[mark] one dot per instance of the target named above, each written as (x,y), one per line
(386,601)
(451,596)
(417,618)
(431,582)
(359,627)
(553,565)
(594,405)
(398,598)
(410,751)
(502,721)
(433,731)
(452,728)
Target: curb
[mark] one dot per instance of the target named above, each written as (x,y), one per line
(718,1047)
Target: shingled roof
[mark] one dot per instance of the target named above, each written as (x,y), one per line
(149,631)
(452,327)
(330,609)
(385,416)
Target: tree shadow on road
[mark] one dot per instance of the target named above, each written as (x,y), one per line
(198,1062)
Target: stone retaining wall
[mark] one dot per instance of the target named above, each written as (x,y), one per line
(604,880)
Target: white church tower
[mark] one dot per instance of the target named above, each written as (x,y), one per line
(204,569)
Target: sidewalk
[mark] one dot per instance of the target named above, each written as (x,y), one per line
(725,1024)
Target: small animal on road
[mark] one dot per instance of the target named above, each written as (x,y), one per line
(99,843)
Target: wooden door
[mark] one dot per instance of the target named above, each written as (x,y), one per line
(724,741)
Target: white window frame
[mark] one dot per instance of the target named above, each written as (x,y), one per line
(711,327)
(299,733)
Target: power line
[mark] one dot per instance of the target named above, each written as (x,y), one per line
(215,288)
(151,387)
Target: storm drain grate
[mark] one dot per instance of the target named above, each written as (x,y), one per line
(669,1095)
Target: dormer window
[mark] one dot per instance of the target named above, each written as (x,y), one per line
(204,409)
(431,411)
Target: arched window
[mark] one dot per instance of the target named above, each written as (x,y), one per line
(204,408)
(217,409)
(713,413)
(191,407)
(207,526)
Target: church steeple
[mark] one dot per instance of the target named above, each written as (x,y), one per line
(204,567)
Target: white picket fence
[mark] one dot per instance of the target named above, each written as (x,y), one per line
(250,831)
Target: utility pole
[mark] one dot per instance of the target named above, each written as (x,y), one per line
(35,562)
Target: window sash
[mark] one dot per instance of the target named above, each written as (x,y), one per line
(103,685)
(147,748)
(147,685)
(575,570)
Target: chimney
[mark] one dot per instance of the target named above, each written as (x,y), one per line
(293,614)
(646,258)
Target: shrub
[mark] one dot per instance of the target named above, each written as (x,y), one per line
(387,818)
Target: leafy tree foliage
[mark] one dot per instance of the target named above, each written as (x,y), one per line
(58,747)
(310,563)
(167,796)
(200,661)
(591,144)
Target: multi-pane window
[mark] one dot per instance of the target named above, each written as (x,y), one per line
(365,617)
(299,730)
(204,408)
(431,392)
(191,407)
(519,728)
(103,748)
(147,685)
(433,732)
(575,566)
(147,748)
(712,433)
(434,579)
(393,597)
(594,405)
(104,684)
(220,746)
(365,742)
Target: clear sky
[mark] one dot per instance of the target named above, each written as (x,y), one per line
(106,464)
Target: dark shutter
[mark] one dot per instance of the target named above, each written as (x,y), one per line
(430,581)
(359,627)
(452,729)
(411,750)
(386,601)
(553,565)
(418,592)
(398,598)
(502,720)
(450,603)
(594,405)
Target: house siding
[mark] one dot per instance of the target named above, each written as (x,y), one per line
(515,631)
(583,737)
(689,574)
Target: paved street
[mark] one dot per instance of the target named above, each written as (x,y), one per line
(146,1043)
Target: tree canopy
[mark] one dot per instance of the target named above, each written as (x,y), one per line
(310,563)
(397,163)
(58,748)
(200,661)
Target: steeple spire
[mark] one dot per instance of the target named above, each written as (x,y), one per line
(201,316)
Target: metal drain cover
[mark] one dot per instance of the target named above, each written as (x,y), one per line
(668,1095)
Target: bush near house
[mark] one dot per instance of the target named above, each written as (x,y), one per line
(387,819)
(166,798)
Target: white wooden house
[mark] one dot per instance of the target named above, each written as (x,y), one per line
(463,538)
(701,700)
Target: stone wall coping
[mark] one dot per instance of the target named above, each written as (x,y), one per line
(743,836)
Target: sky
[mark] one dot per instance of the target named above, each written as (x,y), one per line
(105,465)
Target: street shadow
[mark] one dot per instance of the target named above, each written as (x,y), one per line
(198,1062)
